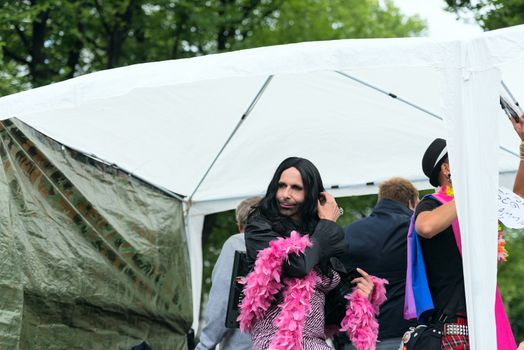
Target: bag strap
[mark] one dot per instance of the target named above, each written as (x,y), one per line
(451,308)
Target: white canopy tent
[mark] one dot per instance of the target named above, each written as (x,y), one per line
(213,129)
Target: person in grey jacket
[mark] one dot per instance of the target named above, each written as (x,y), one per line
(215,331)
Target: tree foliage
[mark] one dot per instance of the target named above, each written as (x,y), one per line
(45,41)
(490,14)
(511,283)
(309,20)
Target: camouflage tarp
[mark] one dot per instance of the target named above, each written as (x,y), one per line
(91,258)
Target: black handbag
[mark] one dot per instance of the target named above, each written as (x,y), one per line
(336,303)
(423,337)
(429,337)
(240,270)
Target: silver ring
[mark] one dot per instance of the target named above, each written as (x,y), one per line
(341,211)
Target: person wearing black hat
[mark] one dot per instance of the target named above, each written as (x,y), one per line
(432,218)
(442,258)
(435,220)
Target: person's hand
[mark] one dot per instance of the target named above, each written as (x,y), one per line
(364,284)
(329,209)
(521,346)
(519,127)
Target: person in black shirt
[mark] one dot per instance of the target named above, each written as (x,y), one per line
(435,219)
(378,245)
(433,224)
(442,258)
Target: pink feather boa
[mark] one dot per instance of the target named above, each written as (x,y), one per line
(293,310)
(360,323)
(264,282)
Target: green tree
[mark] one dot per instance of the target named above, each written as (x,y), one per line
(489,14)
(44,41)
(310,20)
(511,283)
(39,40)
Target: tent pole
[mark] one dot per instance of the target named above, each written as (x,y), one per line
(244,116)
(390,94)
(508,151)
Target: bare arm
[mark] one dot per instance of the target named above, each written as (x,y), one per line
(431,223)
(518,186)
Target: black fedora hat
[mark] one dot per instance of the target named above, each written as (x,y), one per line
(433,159)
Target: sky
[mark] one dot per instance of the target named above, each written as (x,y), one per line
(441,24)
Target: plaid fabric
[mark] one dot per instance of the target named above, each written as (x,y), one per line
(456,342)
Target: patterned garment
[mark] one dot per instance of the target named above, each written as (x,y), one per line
(455,341)
(313,336)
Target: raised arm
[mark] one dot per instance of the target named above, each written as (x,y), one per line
(518,186)
(430,223)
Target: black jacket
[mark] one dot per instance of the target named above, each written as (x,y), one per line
(327,238)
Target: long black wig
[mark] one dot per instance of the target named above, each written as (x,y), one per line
(313,185)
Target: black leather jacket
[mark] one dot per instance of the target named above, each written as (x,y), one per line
(327,238)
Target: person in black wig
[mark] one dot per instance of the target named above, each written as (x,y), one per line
(296,201)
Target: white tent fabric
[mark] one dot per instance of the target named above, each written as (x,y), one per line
(167,122)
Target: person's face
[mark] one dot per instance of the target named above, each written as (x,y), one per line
(445,172)
(446,169)
(290,193)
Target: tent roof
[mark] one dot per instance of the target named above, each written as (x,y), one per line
(162,121)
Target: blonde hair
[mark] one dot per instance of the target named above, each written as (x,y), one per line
(399,189)
(244,208)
